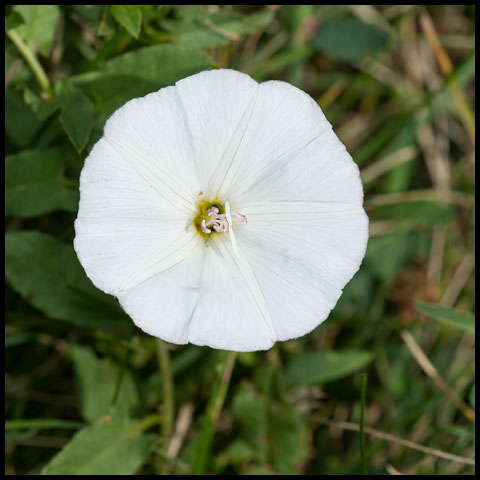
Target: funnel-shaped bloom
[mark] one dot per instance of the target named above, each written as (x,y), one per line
(221,212)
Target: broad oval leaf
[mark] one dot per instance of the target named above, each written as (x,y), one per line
(349,39)
(46,272)
(35,184)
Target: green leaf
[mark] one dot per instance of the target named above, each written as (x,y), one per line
(13,20)
(450,316)
(21,125)
(349,39)
(274,431)
(140,72)
(241,24)
(392,249)
(194,33)
(77,114)
(15,339)
(321,367)
(218,29)
(97,380)
(40,25)
(422,213)
(46,272)
(130,17)
(108,447)
(238,453)
(91,13)
(287,437)
(164,64)
(41,108)
(35,184)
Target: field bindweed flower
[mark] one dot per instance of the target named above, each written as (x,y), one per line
(221,212)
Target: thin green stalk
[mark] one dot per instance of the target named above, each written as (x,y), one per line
(39,423)
(121,375)
(363,396)
(167,387)
(215,404)
(32,61)
(168,395)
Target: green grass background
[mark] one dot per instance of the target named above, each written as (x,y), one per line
(88,393)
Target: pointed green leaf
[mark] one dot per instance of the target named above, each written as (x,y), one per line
(97,380)
(450,316)
(13,20)
(41,108)
(40,24)
(77,113)
(21,125)
(108,447)
(321,367)
(130,17)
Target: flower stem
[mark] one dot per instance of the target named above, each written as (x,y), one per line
(363,395)
(215,404)
(120,377)
(32,61)
(167,386)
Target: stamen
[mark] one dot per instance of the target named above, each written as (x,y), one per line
(223,222)
(204,228)
(240,217)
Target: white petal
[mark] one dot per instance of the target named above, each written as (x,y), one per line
(303,266)
(211,298)
(125,231)
(152,135)
(163,304)
(285,212)
(292,153)
(218,105)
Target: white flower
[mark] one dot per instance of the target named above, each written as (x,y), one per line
(221,212)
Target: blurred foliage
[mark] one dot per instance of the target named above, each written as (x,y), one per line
(397,84)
